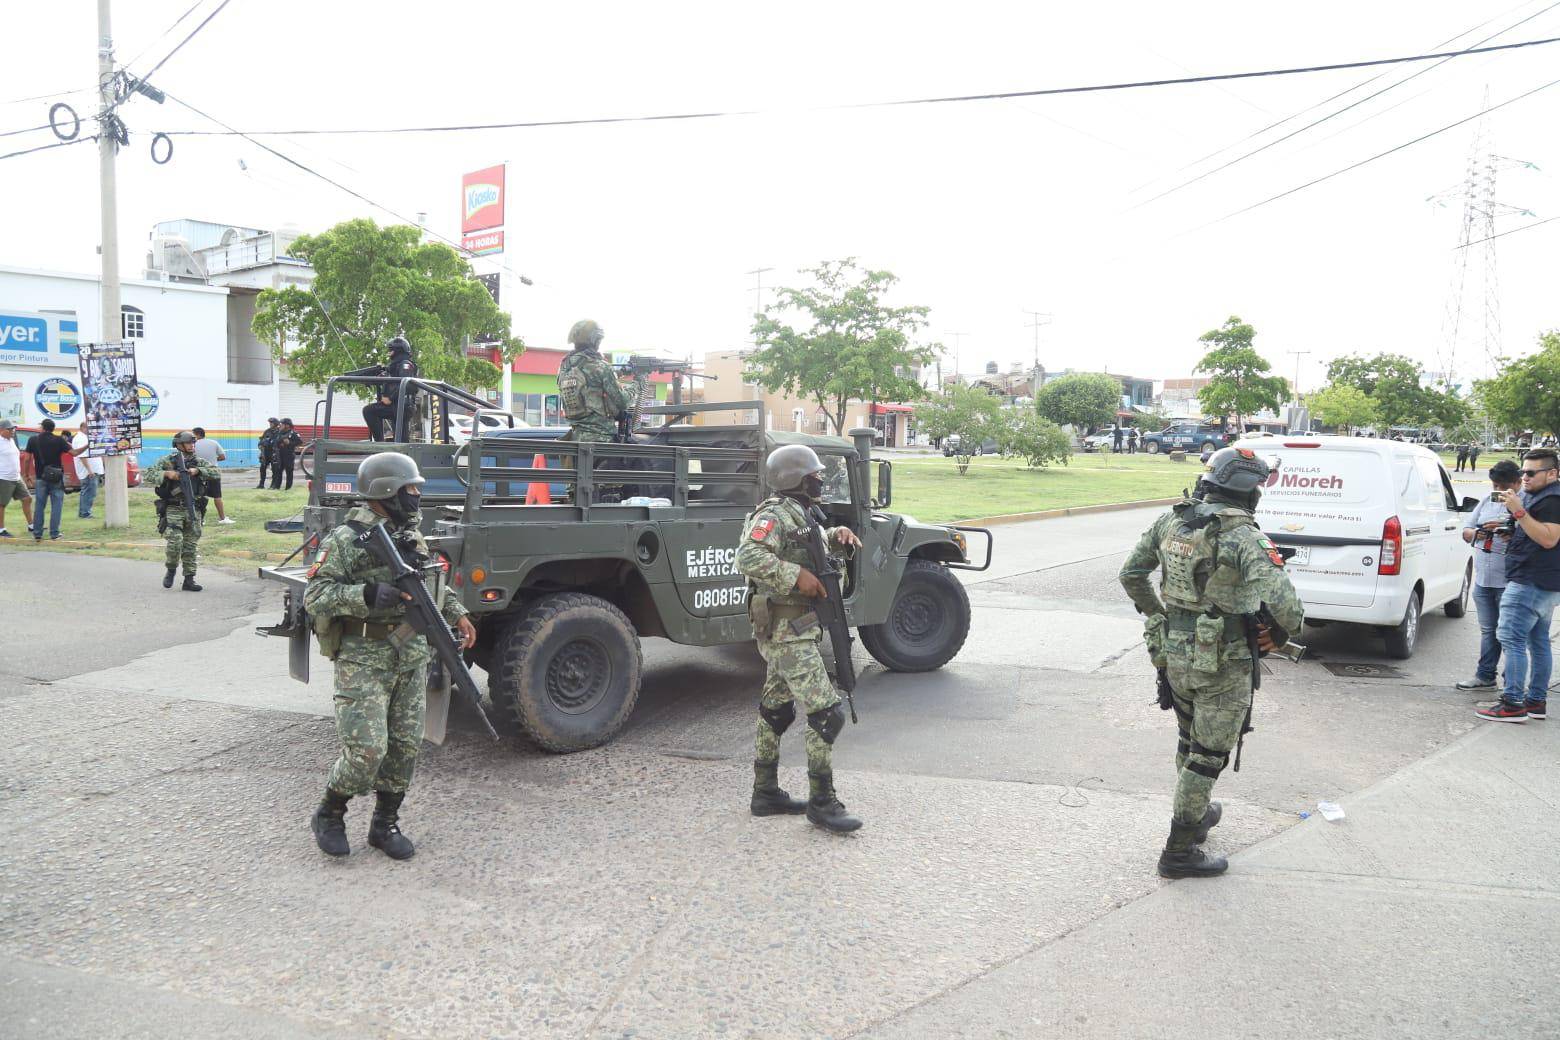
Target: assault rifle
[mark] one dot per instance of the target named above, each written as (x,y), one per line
(1283,646)
(831,609)
(186,488)
(422,615)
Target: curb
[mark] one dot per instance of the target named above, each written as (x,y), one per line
(1051,514)
(234,554)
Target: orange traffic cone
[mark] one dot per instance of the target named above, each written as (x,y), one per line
(538,493)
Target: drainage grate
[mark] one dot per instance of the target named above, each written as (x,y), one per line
(1360,670)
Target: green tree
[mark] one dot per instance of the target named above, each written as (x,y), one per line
(371,283)
(1082,400)
(971,414)
(1392,381)
(1236,384)
(850,344)
(1526,395)
(1344,406)
(1035,439)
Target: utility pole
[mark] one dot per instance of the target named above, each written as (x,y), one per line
(758,293)
(1039,318)
(1294,390)
(116,495)
(958,339)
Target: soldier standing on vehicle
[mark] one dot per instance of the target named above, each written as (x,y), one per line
(1217,570)
(771,556)
(381,664)
(182,521)
(589,390)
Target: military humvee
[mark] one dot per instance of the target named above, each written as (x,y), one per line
(567,554)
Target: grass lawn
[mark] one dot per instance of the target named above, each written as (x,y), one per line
(931,488)
(249,508)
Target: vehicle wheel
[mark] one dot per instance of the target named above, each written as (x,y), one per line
(1401,640)
(567,672)
(1459,607)
(1208,446)
(1152,447)
(927,624)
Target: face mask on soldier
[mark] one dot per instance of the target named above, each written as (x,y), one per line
(406,504)
(812,486)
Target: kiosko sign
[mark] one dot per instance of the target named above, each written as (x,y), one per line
(482,200)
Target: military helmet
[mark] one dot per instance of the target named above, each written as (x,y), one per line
(398,345)
(786,467)
(381,475)
(586,333)
(1236,469)
(184,437)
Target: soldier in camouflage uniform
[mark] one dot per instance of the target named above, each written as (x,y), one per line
(1217,569)
(591,395)
(182,521)
(772,556)
(381,664)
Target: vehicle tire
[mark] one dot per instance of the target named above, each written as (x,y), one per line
(1152,447)
(1401,640)
(927,624)
(1459,607)
(1208,446)
(567,671)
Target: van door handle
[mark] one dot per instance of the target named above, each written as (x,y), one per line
(1452,526)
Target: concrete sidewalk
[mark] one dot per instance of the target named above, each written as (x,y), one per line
(1430,911)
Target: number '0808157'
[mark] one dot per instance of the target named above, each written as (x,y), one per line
(726,596)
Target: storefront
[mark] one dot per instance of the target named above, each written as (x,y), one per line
(895,424)
(185,358)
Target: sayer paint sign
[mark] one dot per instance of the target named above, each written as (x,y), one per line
(482,199)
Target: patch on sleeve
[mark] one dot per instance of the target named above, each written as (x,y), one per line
(1272,551)
(761,529)
(319,563)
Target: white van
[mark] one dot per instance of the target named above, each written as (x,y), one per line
(1376,528)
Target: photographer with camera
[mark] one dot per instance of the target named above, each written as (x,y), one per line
(1532,590)
(1488,530)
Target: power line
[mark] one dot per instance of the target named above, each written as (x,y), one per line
(1326,101)
(950,99)
(1318,122)
(26,130)
(328,180)
(187,39)
(1503,234)
(1379,155)
(164,33)
(46,147)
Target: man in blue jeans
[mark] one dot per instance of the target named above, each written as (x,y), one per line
(48,452)
(1532,590)
(1489,529)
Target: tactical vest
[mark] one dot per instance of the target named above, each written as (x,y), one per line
(571,389)
(1189,553)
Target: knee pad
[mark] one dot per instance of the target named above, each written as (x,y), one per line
(828,722)
(780,718)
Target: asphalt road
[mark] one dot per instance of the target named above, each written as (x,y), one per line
(157,876)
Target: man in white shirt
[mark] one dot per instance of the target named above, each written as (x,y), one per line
(12,489)
(210,453)
(89,471)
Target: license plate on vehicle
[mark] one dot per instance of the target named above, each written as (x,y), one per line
(1302,556)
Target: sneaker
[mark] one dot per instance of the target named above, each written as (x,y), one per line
(1476,684)
(1535,710)
(229,520)
(6,534)
(1500,711)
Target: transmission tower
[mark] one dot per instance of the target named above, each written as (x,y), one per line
(1472,321)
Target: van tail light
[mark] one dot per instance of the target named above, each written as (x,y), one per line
(1302,444)
(1391,547)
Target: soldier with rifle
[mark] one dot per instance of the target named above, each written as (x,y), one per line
(782,593)
(1226,602)
(591,395)
(181,508)
(365,625)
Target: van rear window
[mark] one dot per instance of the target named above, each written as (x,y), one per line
(1307,475)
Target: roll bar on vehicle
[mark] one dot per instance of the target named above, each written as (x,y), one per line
(407,387)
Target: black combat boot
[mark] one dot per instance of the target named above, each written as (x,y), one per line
(383,834)
(189,584)
(1210,820)
(1183,859)
(825,809)
(769,798)
(329,824)
(173,572)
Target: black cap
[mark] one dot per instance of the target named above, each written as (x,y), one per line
(273,419)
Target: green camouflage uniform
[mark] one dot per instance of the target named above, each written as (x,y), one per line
(772,552)
(379,690)
(591,395)
(183,530)
(1215,567)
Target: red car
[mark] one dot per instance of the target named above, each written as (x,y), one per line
(72,483)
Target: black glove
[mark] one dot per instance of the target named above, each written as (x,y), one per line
(1165,693)
(379,596)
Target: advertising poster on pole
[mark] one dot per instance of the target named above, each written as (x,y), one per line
(113,404)
(482,211)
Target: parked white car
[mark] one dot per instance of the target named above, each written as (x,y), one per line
(462,425)
(1376,527)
